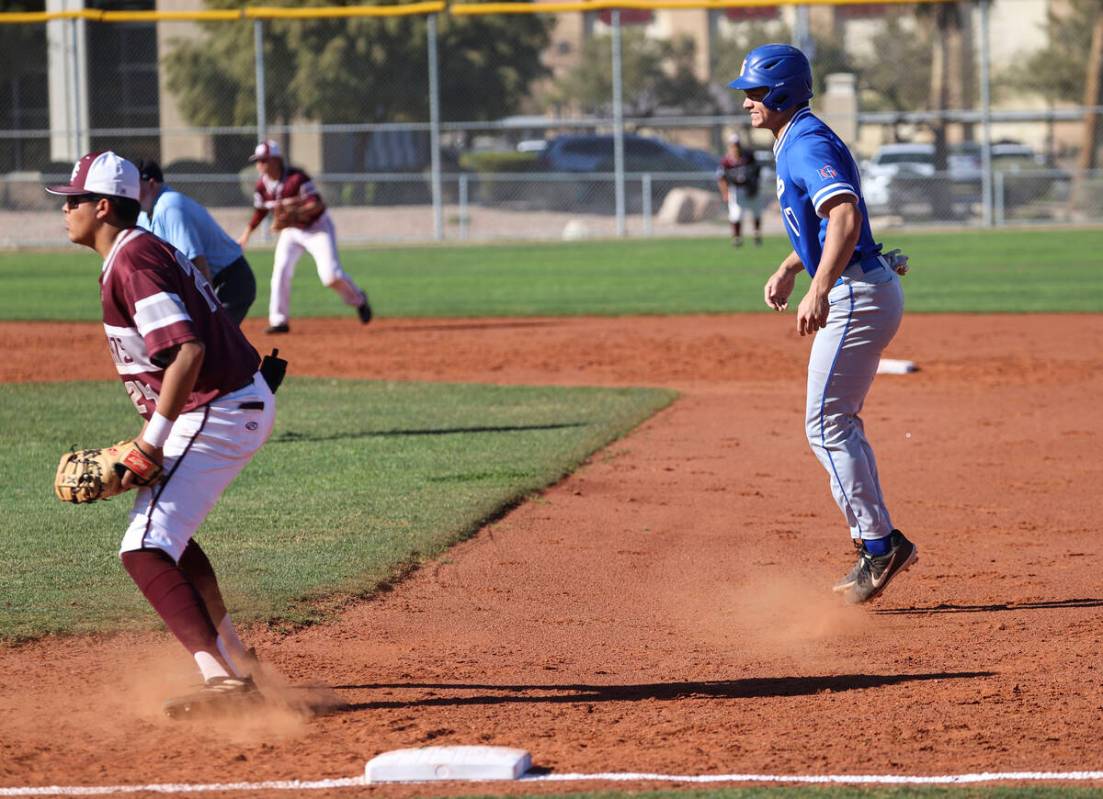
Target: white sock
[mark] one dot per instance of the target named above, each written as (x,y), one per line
(209,666)
(232,648)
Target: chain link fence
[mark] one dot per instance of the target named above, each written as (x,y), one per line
(419,125)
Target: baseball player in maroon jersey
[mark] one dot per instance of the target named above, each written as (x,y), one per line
(193,377)
(738,179)
(300,216)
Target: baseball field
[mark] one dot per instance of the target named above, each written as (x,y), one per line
(558,497)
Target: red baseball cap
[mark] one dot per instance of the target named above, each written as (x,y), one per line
(265,150)
(101,173)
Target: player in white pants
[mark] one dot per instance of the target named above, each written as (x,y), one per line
(303,223)
(196,381)
(738,179)
(853,305)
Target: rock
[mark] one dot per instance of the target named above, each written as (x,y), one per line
(684,205)
(575,229)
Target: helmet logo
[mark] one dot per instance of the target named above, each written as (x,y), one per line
(743,68)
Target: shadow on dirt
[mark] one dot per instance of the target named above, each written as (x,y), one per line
(568,694)
(503,324)
(1047,604)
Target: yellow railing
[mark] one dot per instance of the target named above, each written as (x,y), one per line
(222,15)
(474,9)
(417,9)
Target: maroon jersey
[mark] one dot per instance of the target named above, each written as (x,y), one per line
(154,299)
(743,172)
(292,183)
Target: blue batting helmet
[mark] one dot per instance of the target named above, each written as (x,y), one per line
(781,68)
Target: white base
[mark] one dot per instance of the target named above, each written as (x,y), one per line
(448,763)
(892,366)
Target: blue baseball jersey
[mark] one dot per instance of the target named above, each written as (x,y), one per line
(189,227)
(813,165)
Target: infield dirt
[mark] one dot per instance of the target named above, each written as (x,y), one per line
(666,608)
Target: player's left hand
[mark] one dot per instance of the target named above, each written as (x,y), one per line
(812,313)
(88,475)
(155,455)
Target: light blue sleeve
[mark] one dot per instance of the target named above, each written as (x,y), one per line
(178,231)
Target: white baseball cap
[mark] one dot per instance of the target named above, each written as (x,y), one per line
(734,139)
(265,150)
(101,173)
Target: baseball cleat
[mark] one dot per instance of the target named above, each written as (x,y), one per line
(873,573)
(219,697)
(282,327)
(364,311)
(846,583)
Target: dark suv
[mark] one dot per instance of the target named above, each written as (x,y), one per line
(589,154)
(641,154)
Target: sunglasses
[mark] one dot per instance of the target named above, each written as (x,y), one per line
(74,200)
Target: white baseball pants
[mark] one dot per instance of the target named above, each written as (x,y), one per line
(205,451)
(865,314)
(320,240)
(738,202)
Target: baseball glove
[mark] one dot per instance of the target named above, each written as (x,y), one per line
(898,262)
(89,474)
(284,215)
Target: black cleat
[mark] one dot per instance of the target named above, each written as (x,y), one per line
(846,583)
(282,327)
(364,311)
(872,574)
(220,697)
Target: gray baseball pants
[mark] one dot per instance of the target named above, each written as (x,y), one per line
(865,314)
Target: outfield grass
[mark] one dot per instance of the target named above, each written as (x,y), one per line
(359,481)
(965,271)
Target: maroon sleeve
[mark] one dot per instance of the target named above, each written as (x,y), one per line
(260,204)
(300,185)
(158,302)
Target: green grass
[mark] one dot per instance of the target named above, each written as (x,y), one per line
(359,481)
(966,271)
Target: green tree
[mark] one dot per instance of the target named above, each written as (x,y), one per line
(357,69)
(897,77)
(656,74)
(1057,70)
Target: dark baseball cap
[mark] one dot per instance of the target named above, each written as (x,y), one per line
(150,170)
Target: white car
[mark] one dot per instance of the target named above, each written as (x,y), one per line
(889,162)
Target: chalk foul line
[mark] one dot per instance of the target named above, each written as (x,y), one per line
(359,782)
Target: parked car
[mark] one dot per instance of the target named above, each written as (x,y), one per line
(591,153)
(889,163)
(1026,175)
(902,178)
(594,153)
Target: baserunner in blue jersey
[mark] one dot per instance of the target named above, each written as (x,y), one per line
(855,301)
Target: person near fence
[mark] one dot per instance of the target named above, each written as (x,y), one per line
(299,215)
(207,409)
(189,227)
(854,301)
(738,178)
